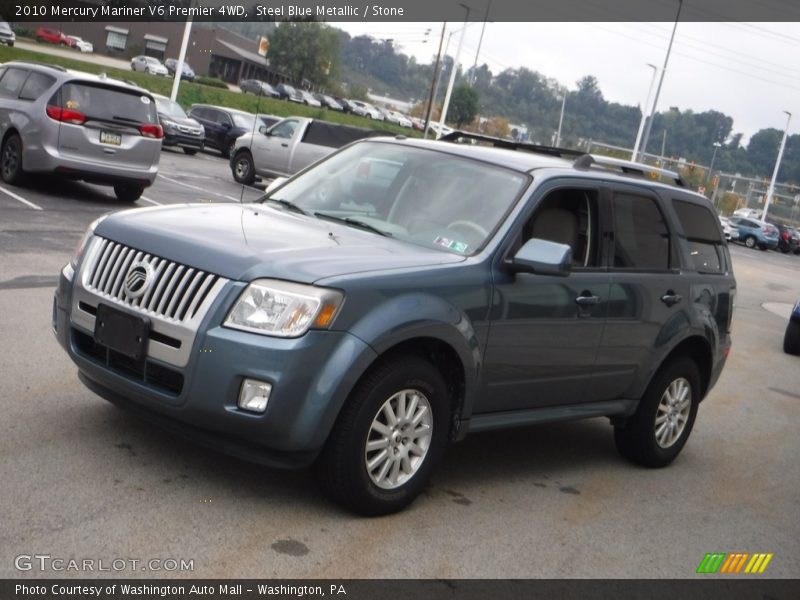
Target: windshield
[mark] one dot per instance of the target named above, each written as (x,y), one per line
(244,121)
(168,107)
(420,196)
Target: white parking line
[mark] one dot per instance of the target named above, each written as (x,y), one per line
(146,199)
(20,198)
(199,189)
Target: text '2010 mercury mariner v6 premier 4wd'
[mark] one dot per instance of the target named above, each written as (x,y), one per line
(400,294)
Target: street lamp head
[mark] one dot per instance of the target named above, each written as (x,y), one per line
(717,145)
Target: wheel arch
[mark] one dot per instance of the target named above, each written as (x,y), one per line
(698,349)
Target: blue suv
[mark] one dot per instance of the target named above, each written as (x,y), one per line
(756,233)
(401,294)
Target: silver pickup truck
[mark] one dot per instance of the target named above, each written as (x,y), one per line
(289,146)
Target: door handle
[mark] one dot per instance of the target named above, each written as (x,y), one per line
(671,298)
(285,145)
(587,300)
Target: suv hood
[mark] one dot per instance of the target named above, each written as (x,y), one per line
(244,242)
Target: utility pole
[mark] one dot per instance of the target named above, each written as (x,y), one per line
(449,92)
(561,119)
(434,82)
(480,42)
(661,81)
(771,189)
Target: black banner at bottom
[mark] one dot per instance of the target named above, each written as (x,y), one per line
(419,589)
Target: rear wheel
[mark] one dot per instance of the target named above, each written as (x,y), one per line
(190,151)
(243,169)
(657,432)
(791,340)
(388,438)
(127,192)
(750,241)
(11,160)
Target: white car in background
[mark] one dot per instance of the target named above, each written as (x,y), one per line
(393,116)
(365,109)
(148,64)
(73,41)
(729,229)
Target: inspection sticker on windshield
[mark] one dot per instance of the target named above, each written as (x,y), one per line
(453,245)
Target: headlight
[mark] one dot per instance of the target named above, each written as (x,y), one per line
(283,309)
(167,124)
(85,241)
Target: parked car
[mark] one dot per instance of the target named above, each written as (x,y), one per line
(753,233)
(258,88)
(49,35)
(187,72)
(346,104)
(365,109)
(78,126)
(730,231)
(179,128)
(308,99)
(288,146)
(401,294)
(747,213)
(223,125)
(287,92)
(73,41)
(393,116)
(328,102)
(418,124)
(788,239)
(791,340)
(7,35)
(148,64)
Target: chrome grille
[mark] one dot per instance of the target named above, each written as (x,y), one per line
(176,292)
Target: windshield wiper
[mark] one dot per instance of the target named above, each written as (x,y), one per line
(354,223)
(126,119)
(287,204)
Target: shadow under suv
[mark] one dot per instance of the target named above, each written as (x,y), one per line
(400,294)
(78,126)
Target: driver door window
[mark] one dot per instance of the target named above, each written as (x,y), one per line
(284,130)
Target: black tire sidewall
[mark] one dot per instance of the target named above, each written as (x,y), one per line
(637,439)
(791,339)
(16,176)
(128,193)
(347,443)
(250,176)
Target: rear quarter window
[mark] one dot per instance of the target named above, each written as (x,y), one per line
(702,232)
(36,85)
(12,81)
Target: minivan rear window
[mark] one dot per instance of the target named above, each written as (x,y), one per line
(108,103)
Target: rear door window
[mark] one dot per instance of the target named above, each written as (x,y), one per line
(104,103)
(702,234)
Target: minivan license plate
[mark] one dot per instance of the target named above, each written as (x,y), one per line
(109,137)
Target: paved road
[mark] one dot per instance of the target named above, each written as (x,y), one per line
(83,479)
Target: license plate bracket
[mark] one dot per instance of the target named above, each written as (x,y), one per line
(122,332)
(110,137)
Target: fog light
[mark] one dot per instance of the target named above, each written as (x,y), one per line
(254,395)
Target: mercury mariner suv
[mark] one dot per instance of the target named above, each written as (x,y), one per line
(401,294)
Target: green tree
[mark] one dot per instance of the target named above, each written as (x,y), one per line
(305,51)
(463,105)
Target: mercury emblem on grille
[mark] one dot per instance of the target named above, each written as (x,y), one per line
(137,280)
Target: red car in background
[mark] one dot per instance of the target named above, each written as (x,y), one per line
(45,34)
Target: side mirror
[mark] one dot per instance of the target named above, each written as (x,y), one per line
(263,130)
(226,125)
(543,257)
(275,183)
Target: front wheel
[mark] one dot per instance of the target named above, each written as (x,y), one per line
(657,432)
(791,340)
(388,438)
(243,168)
(127,192)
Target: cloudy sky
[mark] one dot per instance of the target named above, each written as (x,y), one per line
(749,71)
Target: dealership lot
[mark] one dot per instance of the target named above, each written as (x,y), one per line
(85,480)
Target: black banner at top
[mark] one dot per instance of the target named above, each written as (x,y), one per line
(399,10)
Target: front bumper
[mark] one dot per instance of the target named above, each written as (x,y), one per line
(311,377)
(176,138)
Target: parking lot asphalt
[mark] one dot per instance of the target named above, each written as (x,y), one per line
(84,480)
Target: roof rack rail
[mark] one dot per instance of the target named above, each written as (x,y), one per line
(509,144)
(627,167)
(40,64)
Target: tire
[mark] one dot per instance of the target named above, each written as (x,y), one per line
(643,441)
(127,192)
(11,160)
(791,340)
(243,168)
(750,241)
(393,483)
(228,148)
(190,151)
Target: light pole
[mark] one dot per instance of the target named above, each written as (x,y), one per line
(561,118)
(771,189)
(717,146)
(187,29)
(661,81)
(434,83)
(449,92)
(635,153)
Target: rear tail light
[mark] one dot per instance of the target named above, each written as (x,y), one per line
(65,115)
(152,131)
